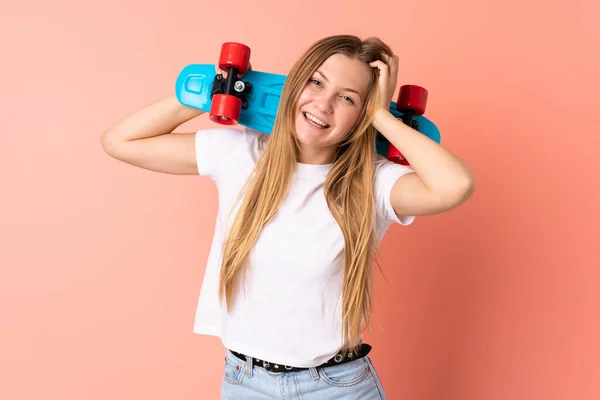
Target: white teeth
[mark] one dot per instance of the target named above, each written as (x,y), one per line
(315,120)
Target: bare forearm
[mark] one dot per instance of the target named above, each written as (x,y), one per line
(439,169)
(155,119)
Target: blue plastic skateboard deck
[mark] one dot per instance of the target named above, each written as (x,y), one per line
(194,87)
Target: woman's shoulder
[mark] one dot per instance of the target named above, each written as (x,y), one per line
(381,164)
(254,135)
(254,141)
(232,138)
(386,173)
(247,144)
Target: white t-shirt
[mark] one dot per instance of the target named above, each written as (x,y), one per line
(288,311)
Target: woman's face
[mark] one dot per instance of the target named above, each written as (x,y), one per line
(329,106)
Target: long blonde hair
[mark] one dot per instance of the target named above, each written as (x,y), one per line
(348,186)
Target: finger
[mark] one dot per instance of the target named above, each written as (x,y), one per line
(389,59)
(392,62)
(394,66)
(379,64)
(384,70)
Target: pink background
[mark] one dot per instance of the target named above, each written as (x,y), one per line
(101,263)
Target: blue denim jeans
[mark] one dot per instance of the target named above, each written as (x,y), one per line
(356,379)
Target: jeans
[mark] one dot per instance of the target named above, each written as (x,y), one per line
(356,379)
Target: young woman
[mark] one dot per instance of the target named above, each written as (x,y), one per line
(301,213)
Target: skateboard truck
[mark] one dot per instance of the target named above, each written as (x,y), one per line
(411,103)
(230,95)
(231,86)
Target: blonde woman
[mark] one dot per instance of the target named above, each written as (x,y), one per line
(301,213)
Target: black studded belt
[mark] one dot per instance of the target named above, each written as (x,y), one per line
(335,360)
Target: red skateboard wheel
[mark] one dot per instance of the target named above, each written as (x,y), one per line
(235,55)
(413,98)
(225,109)
(395,156)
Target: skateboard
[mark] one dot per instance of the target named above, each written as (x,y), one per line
(253,99)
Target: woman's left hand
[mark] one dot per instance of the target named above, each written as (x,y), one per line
(388,78)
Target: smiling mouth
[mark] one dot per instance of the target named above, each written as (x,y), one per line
(315,121)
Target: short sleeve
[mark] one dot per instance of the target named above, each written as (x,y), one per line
(386,174)
(216,147)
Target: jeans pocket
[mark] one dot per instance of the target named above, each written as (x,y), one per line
(233,371)
(347,374)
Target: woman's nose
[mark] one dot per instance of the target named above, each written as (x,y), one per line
(324,103)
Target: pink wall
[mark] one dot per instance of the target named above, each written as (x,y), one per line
(101,263)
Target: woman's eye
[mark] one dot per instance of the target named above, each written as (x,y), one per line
(316,82)
(349,99)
